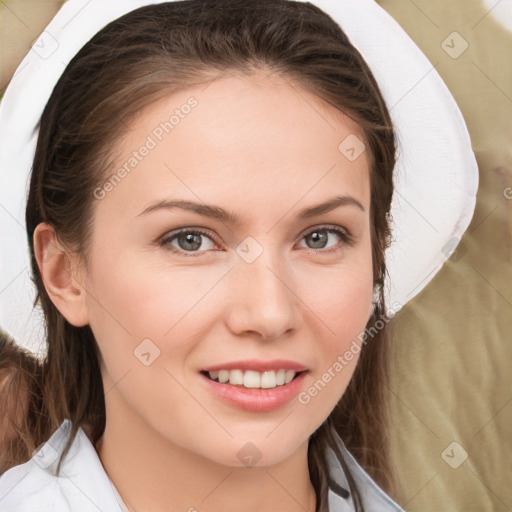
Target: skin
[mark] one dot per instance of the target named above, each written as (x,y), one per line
(263,148)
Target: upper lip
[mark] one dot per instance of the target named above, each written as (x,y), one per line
(257,365)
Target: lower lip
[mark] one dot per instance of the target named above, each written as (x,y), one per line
(256,399)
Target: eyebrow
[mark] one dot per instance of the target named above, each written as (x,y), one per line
(216,212)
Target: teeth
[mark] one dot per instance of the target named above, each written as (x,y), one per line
(253,379)
(236,377)
(288,376)
(268,379)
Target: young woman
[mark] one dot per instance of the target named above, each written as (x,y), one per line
(208,214)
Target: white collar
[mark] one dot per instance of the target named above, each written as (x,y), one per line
(84,485)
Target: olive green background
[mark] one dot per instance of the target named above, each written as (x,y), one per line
(451,371)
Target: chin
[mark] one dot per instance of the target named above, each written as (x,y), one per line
(261,449)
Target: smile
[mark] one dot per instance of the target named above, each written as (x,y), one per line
(256,398)
(253,379)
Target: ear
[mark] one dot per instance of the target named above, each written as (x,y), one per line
(373,305)
(59,271)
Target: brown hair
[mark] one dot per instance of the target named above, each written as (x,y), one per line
(135,60)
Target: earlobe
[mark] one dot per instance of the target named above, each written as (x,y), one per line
(58,268)
(373,304)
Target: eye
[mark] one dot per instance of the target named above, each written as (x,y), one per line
(319,236)
(187,240)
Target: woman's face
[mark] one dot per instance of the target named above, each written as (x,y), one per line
(279,289)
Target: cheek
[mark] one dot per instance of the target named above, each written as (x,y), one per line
(345,313)
(141,319)
(341,298)
(345,302)
(134,301)
(341,307)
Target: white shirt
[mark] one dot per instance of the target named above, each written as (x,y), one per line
(84,486)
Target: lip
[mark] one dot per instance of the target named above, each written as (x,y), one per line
(255,399)
(258,365)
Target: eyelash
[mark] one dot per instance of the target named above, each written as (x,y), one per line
(344,235)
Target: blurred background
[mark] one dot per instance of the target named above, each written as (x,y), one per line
(451,370)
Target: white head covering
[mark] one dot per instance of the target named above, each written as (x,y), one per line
(436,176)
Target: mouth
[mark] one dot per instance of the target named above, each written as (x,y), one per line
(255,385)
(252,379)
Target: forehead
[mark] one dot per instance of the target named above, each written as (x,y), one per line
(259,137)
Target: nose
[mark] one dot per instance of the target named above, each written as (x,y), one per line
(262,298)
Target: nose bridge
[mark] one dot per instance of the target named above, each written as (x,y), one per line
(263,298)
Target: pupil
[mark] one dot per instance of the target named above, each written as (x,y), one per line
(189,239)
(321,238)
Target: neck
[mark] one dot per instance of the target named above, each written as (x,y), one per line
(151,473)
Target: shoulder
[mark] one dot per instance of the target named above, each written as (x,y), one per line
(82,483)
(23,487)
(34,485)
(374,498)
